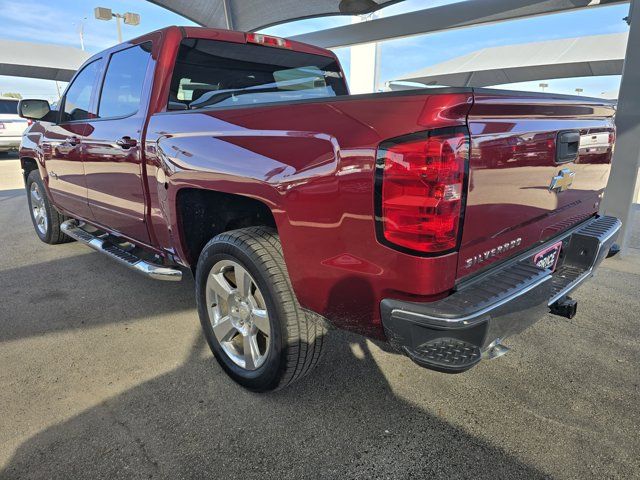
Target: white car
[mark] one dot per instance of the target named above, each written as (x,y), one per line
(11,125)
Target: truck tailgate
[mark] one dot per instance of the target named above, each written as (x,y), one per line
(12,126)
(526,185)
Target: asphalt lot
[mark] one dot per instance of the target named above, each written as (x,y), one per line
(104,374)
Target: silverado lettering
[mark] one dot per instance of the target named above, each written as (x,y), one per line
(470,262)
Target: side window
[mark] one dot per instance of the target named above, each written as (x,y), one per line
(123,82)
(77,101)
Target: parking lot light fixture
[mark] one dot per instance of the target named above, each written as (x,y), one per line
(106,14)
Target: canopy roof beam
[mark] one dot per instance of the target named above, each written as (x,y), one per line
(39,60)
(444,17)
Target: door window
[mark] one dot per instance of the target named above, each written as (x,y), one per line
(123,82)
(77,102)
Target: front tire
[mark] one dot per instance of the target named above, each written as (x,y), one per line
(250,316)
(45,217)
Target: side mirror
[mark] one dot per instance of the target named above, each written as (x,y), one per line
(33,109)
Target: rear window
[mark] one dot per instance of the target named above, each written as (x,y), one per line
(9,106)
(224,74)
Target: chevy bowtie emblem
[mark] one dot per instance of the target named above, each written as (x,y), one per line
(562,180)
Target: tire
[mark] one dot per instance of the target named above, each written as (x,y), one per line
(45,217)
(294,341)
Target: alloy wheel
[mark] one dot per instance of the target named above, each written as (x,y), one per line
(238,314)
(38,209)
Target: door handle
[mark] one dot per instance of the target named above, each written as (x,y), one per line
(127,142)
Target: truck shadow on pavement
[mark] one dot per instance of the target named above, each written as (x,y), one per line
(343,421)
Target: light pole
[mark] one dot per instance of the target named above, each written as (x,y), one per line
(106,14)
(579,91)
(543,86)
(81,32)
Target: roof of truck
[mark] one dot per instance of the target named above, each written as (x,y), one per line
(236,36)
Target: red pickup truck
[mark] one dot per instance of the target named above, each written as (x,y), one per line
(440,220)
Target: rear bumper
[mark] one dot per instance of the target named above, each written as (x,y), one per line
(451,334)
(9,143)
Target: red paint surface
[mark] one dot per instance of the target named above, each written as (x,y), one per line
(313,165)
(512,163)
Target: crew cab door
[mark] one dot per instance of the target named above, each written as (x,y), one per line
(62,142)
(112,147)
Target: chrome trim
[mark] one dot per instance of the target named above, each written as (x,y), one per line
(562,181)
(151,270)
(479,313)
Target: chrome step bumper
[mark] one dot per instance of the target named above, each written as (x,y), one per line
(157,272)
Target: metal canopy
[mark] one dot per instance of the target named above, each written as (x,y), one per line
(250,15)
(38,60)
(445,17)
(569,57)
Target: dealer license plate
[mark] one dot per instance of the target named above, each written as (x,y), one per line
(548,258)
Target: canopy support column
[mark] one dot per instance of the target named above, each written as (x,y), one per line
(622,189)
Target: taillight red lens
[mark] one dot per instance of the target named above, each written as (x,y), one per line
(422,183)
(268,40)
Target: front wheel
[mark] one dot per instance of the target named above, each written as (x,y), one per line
(251,318)
(46,219)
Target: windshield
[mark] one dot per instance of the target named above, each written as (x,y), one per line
(214,73)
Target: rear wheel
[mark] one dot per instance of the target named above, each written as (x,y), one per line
(238,314)
(46,219)
(253,323)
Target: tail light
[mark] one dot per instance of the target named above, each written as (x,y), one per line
(268,40)
(420,183)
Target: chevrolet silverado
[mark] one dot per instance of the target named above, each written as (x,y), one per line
(439,220)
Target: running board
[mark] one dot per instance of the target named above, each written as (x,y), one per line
(151,270)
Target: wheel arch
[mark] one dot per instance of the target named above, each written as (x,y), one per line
(28,164)
(204,213)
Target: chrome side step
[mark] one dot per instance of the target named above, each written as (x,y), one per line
(158,272)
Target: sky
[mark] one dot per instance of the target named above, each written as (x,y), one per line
(61,20)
